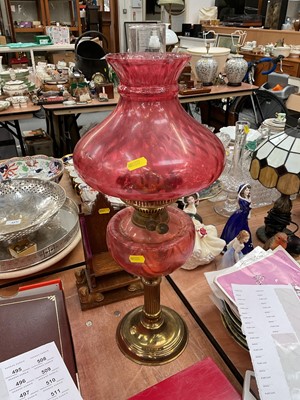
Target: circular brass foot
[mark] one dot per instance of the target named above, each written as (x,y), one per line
(152,344)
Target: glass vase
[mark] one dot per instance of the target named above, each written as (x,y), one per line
(234,172)
(149,152)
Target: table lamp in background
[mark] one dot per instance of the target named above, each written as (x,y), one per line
(276,164)
(172,7)
(171,37)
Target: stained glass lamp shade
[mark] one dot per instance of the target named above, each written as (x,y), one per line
(276,164)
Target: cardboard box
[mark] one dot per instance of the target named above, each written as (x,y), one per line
(107,88)
(39,146)
(293,102)
(21,62)
(25,24)
(2,40)
(40,58)
(67,56)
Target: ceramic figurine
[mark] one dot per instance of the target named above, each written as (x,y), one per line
(207,243)
(190,204)
(234,249)
(238,221)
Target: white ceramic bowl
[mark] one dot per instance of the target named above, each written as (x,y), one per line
(219,53)
(281,50)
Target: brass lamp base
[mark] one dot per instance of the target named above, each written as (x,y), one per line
(152,334)
(152,345)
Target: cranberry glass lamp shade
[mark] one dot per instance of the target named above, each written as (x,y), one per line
(149,148)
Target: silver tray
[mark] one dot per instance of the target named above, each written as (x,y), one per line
(27,204)
(51,239)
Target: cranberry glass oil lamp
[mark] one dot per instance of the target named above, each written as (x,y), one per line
(149,152)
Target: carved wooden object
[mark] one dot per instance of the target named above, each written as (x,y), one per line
(102,281)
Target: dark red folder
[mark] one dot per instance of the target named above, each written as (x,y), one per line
(201,381)
(29,321)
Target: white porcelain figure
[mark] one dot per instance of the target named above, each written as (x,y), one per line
(235,69)
(206,69)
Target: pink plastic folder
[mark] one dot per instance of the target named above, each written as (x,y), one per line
(277,269)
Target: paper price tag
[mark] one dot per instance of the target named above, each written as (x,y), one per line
(136,259)
(137,163)
(13,222)
(103,211)
(37,374)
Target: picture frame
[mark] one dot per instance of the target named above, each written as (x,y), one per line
(228,41)
(128,24)
(274,12)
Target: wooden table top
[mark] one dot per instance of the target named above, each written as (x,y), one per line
(217,92)
(94,106)
(104,372)
(194,287)
(12,113)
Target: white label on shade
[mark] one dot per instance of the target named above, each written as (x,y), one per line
(13,222)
